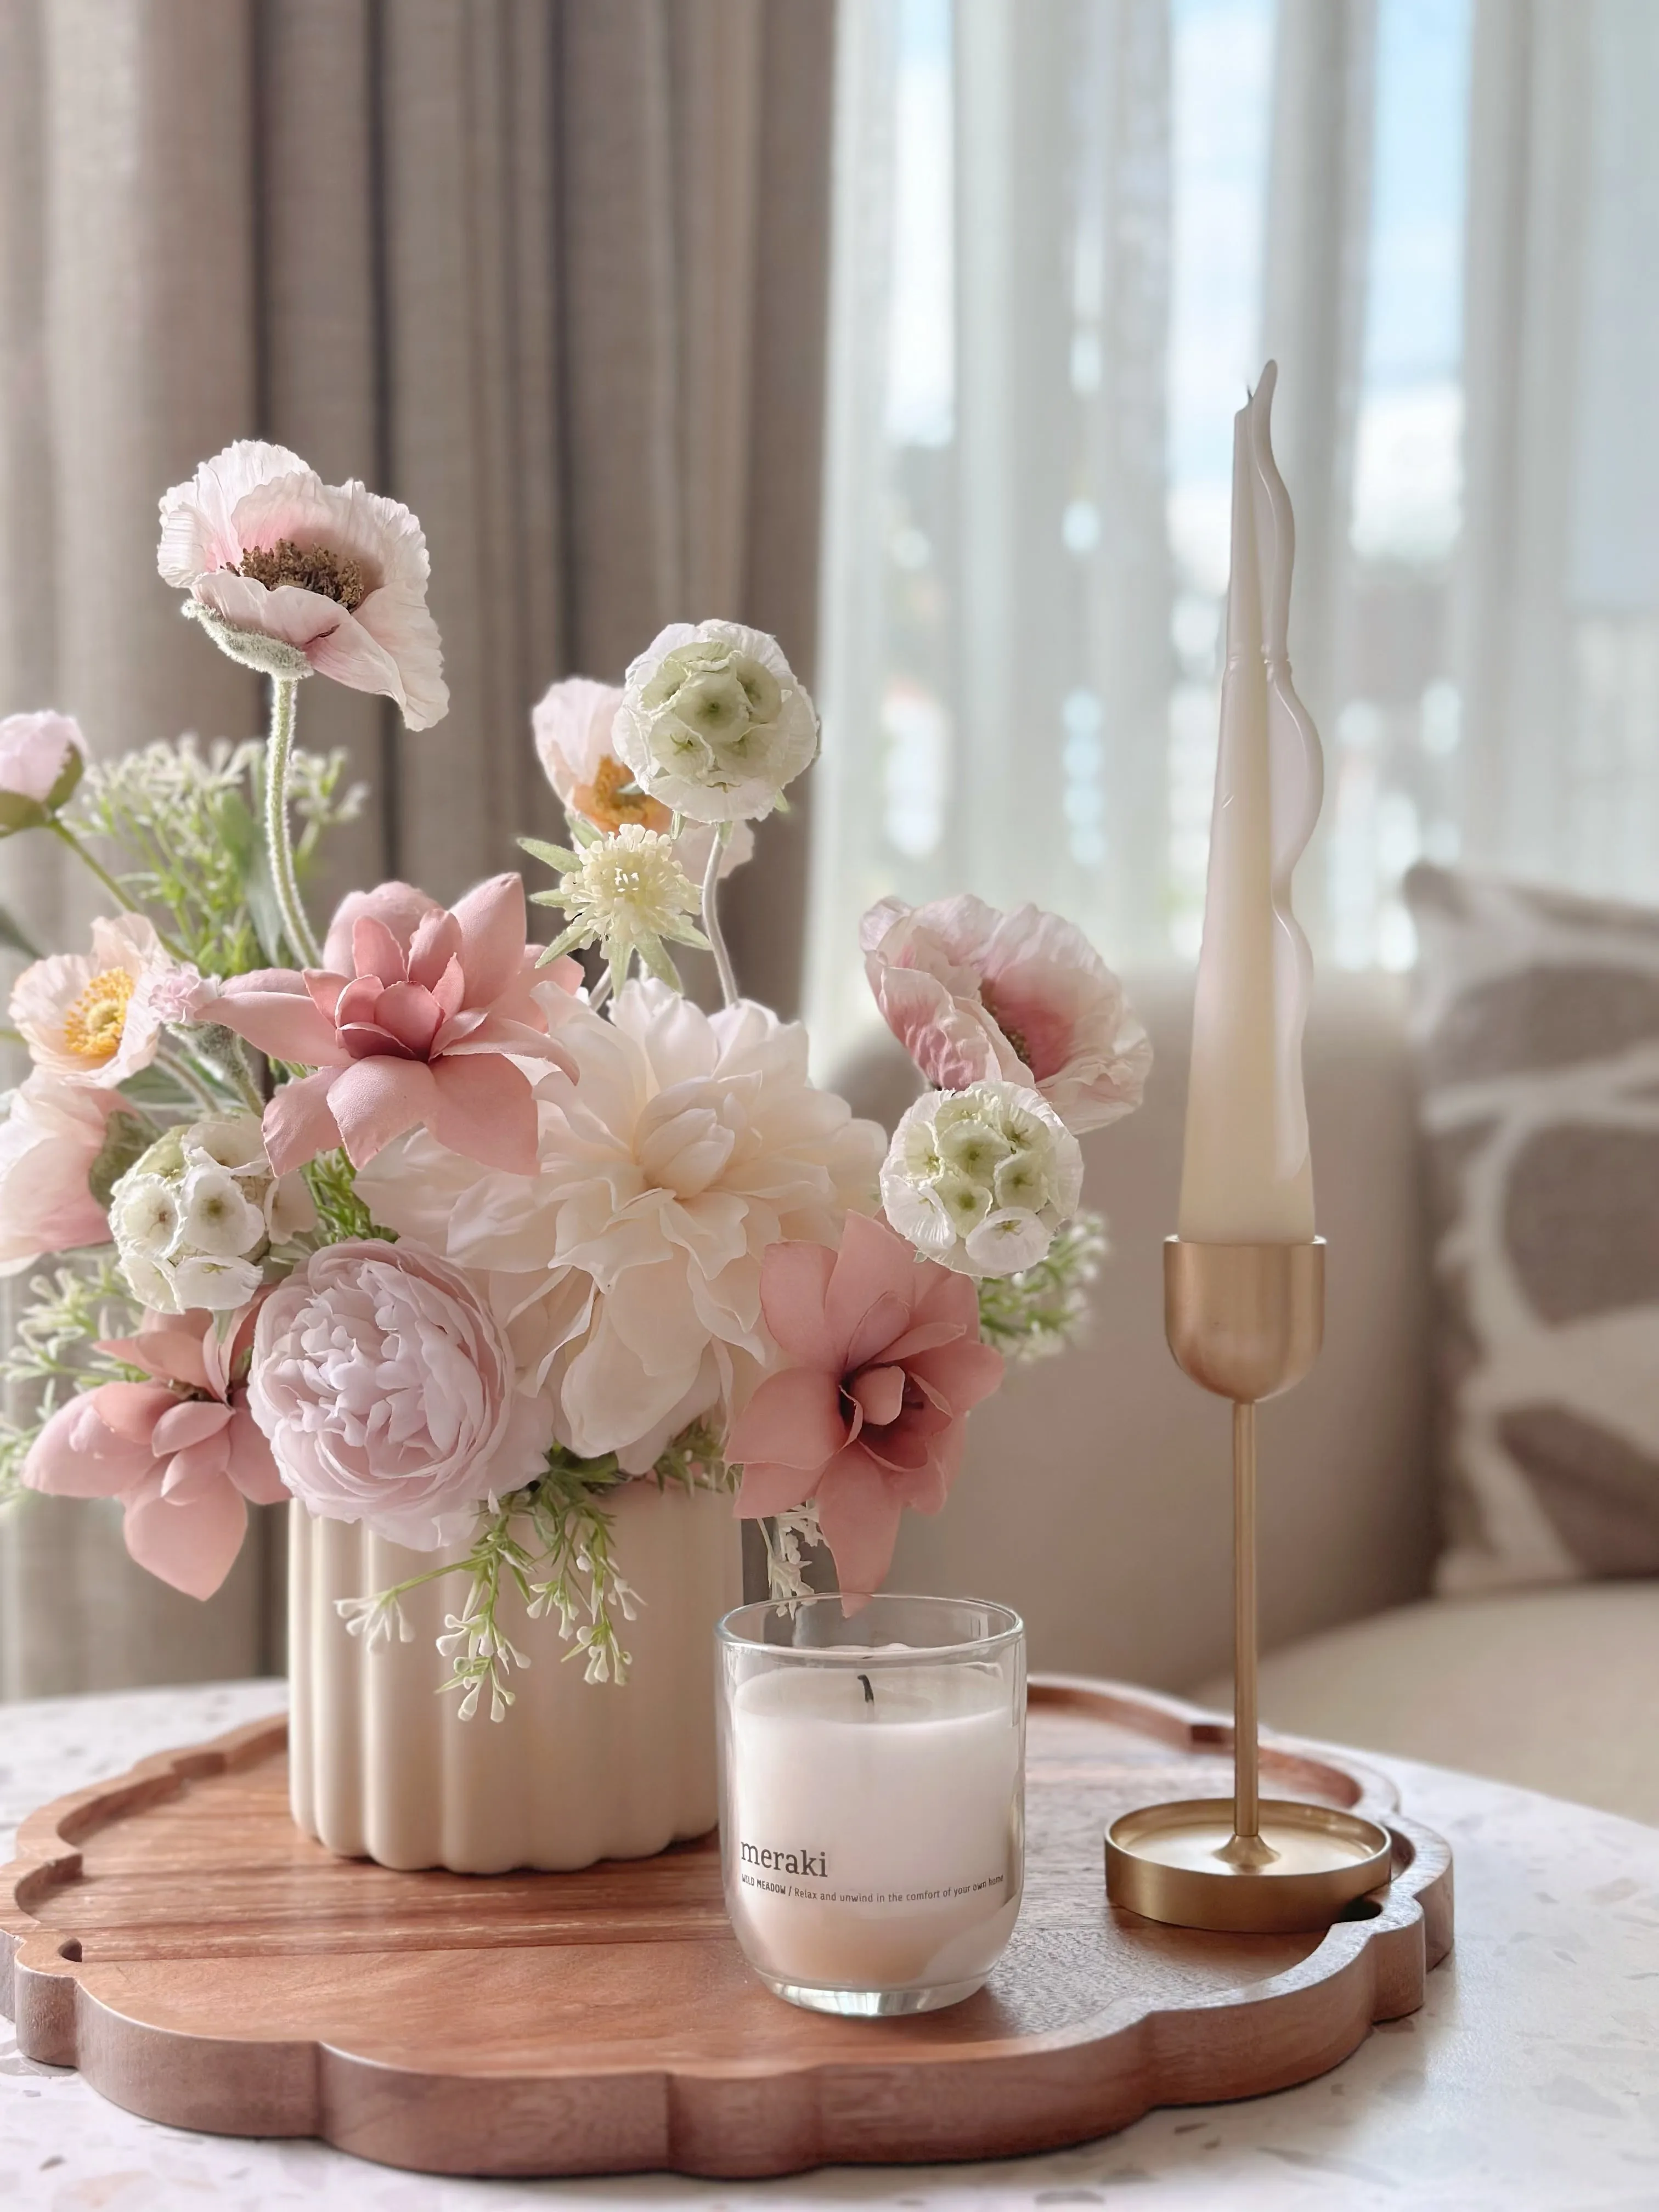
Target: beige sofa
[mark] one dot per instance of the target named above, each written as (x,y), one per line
(1097,1492)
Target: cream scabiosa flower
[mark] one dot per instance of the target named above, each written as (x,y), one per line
(574,721)
(291,575)
(630,1266)
(981,1179)
(712,722)
(624,893)
(195,1216)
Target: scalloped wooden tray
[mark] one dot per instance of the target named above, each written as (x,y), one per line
(205,1965)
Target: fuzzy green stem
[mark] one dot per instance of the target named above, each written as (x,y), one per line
(711,920)
(278,753)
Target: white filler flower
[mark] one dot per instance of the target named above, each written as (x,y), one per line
(981,1179)
(712,722)
(195,1217)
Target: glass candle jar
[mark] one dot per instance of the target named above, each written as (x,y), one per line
(872,1796)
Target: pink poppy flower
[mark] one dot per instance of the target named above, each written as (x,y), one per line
(885,1361)
(181,1452)
(41,760)
(96,1017)
(332,575)
(410,1023)
(975,996)
(48,1144)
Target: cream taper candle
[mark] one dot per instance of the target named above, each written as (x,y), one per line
(1246,1178)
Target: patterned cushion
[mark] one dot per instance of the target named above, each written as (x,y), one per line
(1538,1018)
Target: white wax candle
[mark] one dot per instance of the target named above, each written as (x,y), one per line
(1246,1178)
(874,1842)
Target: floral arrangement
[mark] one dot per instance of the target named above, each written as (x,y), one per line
(429,1226)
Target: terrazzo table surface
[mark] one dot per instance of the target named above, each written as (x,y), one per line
(1530,2080)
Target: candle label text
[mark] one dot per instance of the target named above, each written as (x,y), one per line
(758,1861)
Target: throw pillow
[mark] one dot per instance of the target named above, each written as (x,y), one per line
(1538,1024)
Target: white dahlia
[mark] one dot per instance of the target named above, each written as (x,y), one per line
(627,1268)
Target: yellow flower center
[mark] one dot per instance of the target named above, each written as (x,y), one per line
(609,803)
(92,1026)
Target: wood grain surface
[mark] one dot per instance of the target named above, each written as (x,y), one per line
(175,1937)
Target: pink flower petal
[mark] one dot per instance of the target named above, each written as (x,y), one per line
(449,991)
(77,1455)
(794,1283)
(872,1291)
(859,1513)
(194,1469)
(398,618)
(368,1040)
(131,1410)
(352,655)
(486,1109)
(766,1489)
(273,1009)
(304,620)
(492,928)
(398,905)
(879,1392)
(375,1100)
(252,1469)
(324,990)
(794,1419)
(963,1373)
(187,1423)
(375,951)
(191,1546)
(434,949)
(300,1123)
(412,1015)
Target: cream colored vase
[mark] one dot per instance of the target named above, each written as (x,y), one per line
(381,1768)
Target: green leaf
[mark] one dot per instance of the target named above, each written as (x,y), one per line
(557,856)
(17,812)
(74,767)
(127,1138)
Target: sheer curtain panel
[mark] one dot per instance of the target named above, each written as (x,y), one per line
(1065,238)
(553,272)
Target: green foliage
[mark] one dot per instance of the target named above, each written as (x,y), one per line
(184,825)
(1043,1310)
(551,1541)
(342,1216)
(54,1353)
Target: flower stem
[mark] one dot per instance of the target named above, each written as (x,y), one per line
(711,920)
(278,753)
(123,903)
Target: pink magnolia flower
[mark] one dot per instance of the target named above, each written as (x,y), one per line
(332,576)
(387,1390)
(976,996)
(96,1019)
(181,1452)
(50,1140)
(885,1361)
(575,725)
(411,1022)
(42,758)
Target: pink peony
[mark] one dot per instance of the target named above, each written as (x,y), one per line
(334,576)
(976,996)
(42,758)
(96,1019)
(410,1023)
(386,1389)
(884,1362)
(574,724)
(51,1138)
(181,1452)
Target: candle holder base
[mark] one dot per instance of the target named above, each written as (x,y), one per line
(1183,1863)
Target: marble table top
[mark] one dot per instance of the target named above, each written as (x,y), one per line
(1529,2081)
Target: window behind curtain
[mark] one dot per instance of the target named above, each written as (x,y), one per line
(1065,239)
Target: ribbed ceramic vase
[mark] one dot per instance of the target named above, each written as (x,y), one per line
(381,1768)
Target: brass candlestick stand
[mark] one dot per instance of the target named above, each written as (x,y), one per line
(1246,1321)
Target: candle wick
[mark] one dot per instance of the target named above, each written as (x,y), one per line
(869,1695)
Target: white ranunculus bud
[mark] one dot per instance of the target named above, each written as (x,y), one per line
(714,723)
(981,1179)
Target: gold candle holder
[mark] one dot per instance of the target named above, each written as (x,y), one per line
(1245,1321)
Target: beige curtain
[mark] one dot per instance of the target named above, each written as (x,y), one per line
(552,272)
